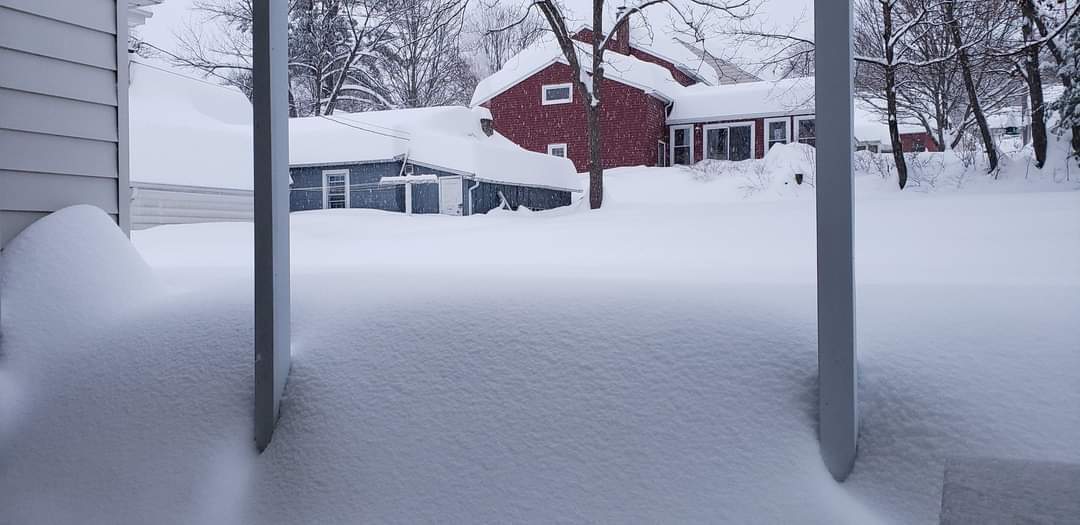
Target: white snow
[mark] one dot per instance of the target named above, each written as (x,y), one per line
(651,361)
(628,70)
(750,99)
(448,138)
(188,131)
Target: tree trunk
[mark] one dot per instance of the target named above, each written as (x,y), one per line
(596,169)
(1059,58)
(890,99)
(1034,82)
(969,85)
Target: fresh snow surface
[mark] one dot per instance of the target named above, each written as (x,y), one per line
(188,131)
(746,100)
(652,361)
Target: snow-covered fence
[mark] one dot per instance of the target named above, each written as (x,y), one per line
(156,204)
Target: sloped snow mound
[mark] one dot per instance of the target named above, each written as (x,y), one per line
(71,263)
(784,161)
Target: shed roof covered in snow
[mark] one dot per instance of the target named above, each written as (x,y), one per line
(751,99)
(188,131)
(648,77)
(449,138)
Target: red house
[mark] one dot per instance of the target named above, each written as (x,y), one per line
(664,102)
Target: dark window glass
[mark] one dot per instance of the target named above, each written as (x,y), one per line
(739,148)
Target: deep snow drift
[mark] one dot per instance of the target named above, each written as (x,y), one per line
(650,362)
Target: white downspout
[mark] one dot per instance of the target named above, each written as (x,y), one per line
(475,184)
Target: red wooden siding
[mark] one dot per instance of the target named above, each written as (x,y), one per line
(908,141)
(631,121)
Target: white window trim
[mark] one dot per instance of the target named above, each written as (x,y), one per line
(796,126)
(743,124)
(788,139)
(566,150)
(671,144)
(662,146)
(326,195)
(544,94)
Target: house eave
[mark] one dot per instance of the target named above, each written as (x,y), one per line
(741,116)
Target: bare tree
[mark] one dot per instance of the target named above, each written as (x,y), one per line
(1027,57)
(495,47)
(425,67)
(884,32)
(332,46)
(586,60)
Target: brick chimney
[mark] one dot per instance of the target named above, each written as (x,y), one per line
(621,42)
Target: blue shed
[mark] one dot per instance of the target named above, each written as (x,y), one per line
(427,160)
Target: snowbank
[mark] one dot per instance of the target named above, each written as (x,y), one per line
(662,372)
(74,262)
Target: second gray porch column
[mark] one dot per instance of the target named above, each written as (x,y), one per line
(838,418)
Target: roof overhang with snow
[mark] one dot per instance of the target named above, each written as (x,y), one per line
(743,101)
(650,78)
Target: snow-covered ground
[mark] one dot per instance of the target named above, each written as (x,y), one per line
(653,361)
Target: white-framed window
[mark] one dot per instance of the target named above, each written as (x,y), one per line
(806,130)
(661,154)
(729,141)
(558,150)
(682,145)
(557,94)
(777,131)
(335,189)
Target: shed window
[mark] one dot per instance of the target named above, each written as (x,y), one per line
(776,131)
(557,93)
(335,189)
(805,130)
(558,150)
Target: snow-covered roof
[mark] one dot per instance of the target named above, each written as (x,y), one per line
(628,70)
(188,131)
(448,138)
(700,103)
(696,59)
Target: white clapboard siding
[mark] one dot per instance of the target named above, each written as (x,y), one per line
(63,101)
(156,204)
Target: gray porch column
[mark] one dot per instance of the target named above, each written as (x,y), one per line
(838,418)
(271,122)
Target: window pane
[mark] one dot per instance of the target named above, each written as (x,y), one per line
(807,131)
(682,155)
(717,147)
(777,132)
(740,143)
(682,137)
(559,93)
